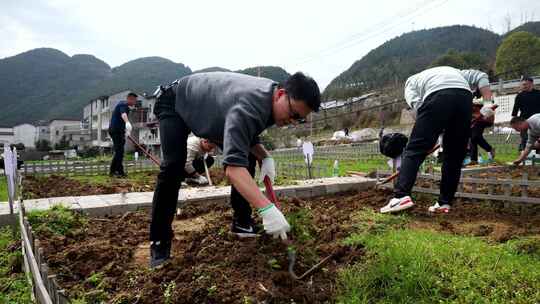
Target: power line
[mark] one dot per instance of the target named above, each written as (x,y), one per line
(368,34)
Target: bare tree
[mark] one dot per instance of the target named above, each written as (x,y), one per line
(507,22)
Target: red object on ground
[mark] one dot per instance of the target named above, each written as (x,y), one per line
(270,192)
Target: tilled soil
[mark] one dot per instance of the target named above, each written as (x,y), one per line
(211,266)
(56,185)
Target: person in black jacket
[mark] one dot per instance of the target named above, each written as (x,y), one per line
(527,104)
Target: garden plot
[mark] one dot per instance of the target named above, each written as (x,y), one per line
(105,259)
(57,185)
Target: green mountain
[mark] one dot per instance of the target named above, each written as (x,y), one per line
(531,27)
(32,83)
(275,73)
(212,69)
(410,53)
(45,83)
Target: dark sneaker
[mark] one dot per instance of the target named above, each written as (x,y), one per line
(245,231)
(160,252)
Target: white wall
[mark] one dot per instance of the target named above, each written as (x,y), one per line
(26,134)
(504,111)
(6,135)
(56,128)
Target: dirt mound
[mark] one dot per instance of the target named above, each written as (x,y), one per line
(57,185)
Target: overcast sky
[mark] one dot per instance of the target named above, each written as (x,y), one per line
(321,38)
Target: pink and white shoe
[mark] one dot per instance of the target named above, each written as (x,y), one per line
(445,208)
(398,204)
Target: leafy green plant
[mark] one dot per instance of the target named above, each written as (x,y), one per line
(169,292)
(58,220)
(13,284)
(301,225)
(274,264)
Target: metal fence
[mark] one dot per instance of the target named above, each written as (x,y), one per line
(352,152)
(71,168)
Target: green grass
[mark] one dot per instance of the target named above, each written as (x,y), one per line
(344,165)
(58,220)
(419,266)
(3,189)
(13,285)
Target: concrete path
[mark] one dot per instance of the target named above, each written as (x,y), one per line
(111,204)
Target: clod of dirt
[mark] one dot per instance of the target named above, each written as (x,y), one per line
(482,230)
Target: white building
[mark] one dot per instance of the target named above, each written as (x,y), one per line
(42,129)
(6,135)
(26,134)
(58,128)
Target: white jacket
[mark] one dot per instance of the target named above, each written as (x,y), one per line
(419,86)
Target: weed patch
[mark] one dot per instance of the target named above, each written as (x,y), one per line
(418,266)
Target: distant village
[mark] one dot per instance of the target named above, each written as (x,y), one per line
(91,131)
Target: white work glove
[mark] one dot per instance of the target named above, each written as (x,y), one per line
(268,168)
(202,180)
(487,111)
(274,222)
(129,127)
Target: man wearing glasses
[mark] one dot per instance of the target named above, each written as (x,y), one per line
(230,109)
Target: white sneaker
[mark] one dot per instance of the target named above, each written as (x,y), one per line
(445,208)
(491,155)
(398,204)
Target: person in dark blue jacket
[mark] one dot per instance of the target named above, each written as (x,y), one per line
(119,127)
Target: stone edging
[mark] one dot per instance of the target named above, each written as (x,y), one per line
(114,204)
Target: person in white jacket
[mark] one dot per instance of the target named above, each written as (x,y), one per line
(441,99)
(199,151)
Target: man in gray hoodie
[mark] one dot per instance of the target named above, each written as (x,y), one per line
(231,110)
(441,100)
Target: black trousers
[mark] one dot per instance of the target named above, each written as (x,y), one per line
(477,139)
(524,137)
(119,140)
(241,207)
(174,133)
(446,111)
(198,164)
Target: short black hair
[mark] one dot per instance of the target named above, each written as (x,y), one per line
(302,87)
(516,119)
(131,94)
(526,78)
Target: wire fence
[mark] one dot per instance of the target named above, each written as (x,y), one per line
(77,168)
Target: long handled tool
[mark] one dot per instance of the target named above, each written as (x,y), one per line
(396,174)
(206,170)
(146,152)
(292,259)
(291,253)
(270,192)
